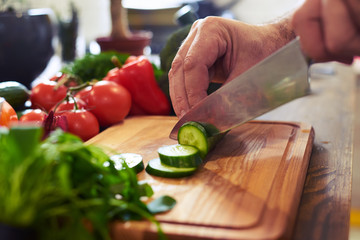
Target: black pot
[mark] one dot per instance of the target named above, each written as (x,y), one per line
(26,44)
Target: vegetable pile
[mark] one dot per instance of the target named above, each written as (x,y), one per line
(61,188)
(91,94)
(54,186)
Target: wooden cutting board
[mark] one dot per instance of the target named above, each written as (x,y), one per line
(248,188)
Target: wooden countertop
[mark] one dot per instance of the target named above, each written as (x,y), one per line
(326,200)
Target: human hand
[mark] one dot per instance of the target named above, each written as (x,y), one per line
(329,29)
(219,49)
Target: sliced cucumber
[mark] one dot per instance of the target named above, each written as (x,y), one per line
(203,136)
(180,156)
(156,168)
(132,160)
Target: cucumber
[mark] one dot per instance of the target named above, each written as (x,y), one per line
(156,168)
(180,156)
(132,160)
(203,136)
(15,93)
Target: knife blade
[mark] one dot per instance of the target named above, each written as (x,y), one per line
(274,81)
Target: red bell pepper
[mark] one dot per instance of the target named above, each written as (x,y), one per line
(137,76)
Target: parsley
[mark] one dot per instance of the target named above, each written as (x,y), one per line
(61,189)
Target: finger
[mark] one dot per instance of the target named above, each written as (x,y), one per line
(354,9)
(307,24)
(177,87)
(176,77)
(208,45)
(340,32)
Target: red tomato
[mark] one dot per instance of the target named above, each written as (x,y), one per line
(37,116)
(58,76)
(82,123)
(44,96)
(63,77)
(69,105)
(109,102)
(7,113)
(130,59)
(84,94)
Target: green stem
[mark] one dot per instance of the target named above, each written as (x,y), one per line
(115,60)
(82,86)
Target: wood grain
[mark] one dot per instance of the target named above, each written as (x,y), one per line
(326,200)
(248,188)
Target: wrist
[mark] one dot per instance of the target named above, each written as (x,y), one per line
(280,33)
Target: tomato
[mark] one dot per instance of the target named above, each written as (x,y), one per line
(57,77)
(84,94)
(44,96)
(109,102)
(37,116)
(69,105)
(63,77)
(7,113)
(82,123)
(130,59)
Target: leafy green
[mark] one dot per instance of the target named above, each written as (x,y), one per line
(65,189)
(161,204)
(93,66)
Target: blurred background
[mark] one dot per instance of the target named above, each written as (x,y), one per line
(158,16)
(70,29)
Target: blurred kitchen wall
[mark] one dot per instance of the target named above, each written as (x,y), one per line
(94,18)
(262,11)
(94,15)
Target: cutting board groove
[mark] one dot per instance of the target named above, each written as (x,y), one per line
(249,186)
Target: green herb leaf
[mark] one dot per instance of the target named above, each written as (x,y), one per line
(61,188)
(25,138)
(93,66)
(161,204)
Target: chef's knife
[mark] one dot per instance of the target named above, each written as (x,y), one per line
(278,79)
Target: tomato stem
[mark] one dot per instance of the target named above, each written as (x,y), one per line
(75,103)
(115,60)
(61,81)
(82,86)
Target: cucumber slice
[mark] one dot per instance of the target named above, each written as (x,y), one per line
(132,160)
(156,168)
(203,136)
(180,156)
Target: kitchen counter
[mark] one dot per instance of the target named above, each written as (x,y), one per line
(326,200)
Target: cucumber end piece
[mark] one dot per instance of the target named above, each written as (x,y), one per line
(202,135)
(194,134)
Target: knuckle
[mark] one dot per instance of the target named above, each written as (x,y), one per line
(189,62)
(206,24)
(334,47)
(176,63)
(209,20)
